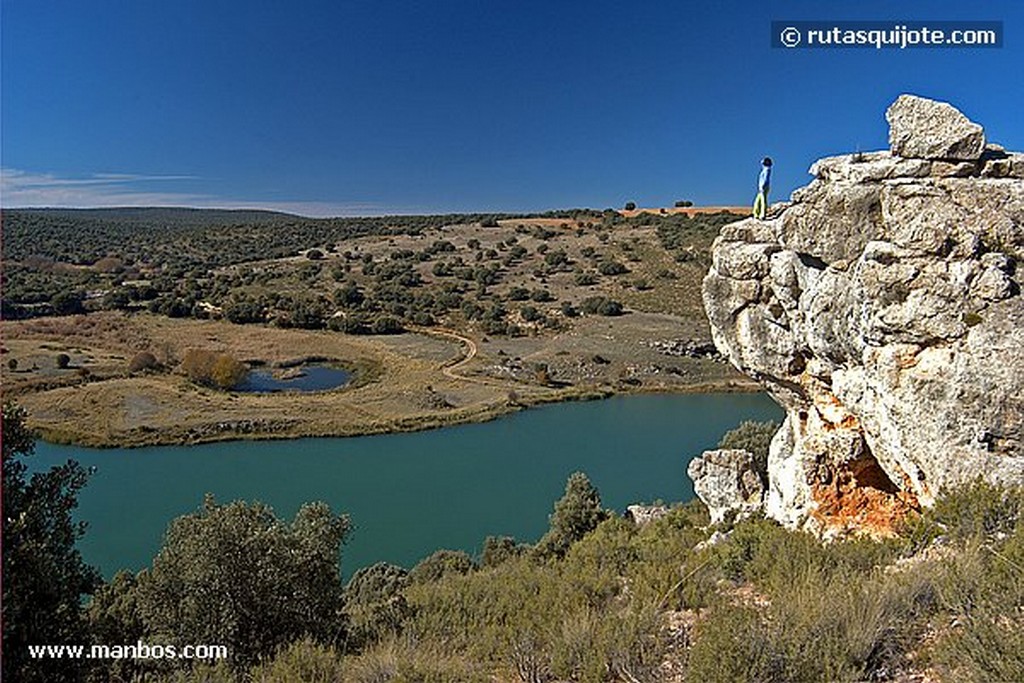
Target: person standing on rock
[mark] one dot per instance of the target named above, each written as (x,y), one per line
(764,182)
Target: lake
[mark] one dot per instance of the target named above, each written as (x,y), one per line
(410,494)
(307,378)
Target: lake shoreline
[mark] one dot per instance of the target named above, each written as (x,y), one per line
(475,415)
(409,494)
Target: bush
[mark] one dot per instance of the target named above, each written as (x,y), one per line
(630,206)
(404,660)
(499,549)
(601,305)
(518,294)
(143,360)
(440,564)
(612,268)
(585,279)
(302,661)
(754,437)
(210,369)
(375,603)
(386,324)
(44,577)
(235,575)
(63,360)
(576,513)
(530,313)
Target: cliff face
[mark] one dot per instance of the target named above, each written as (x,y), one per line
(881,307)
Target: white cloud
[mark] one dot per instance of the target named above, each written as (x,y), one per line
(26,189)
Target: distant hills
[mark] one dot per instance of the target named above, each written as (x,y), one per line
(164,215)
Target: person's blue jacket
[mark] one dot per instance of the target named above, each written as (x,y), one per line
(765,179)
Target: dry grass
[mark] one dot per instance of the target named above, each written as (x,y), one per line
(399,384)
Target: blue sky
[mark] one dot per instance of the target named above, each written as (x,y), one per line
(346,107)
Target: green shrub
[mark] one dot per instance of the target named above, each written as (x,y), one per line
(499,549)
(440,564)
(375,603)
(612,268)
(732,646)
(303,661)
(754,437)
(235,575)
(577,513)
(601,305)
(403,660)
(978,509)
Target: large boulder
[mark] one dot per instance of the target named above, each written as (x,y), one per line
(925,129)
(727,481)
(882,309)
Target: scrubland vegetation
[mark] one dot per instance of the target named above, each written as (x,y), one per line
(598,598)
(355,275)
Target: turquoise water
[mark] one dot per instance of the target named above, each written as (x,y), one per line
(313,378)
(410,494)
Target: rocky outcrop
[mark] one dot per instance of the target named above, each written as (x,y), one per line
(642,515)
(882,309)
(727,481)
(925,129)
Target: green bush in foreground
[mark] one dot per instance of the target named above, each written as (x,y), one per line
(577,513)
(235,575)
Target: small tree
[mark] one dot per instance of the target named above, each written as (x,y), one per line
(236,575)
(630,206)
(577,513)
(227,372)
(214,370)
(68,302)
(44,577)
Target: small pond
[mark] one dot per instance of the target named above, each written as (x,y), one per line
(303,378)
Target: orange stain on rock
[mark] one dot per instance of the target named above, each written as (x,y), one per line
(861,498)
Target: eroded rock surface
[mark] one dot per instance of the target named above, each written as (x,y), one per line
(726,480)
(882,309)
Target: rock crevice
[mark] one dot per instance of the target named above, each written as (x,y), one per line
(882,308)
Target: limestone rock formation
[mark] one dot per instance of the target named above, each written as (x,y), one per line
(726,480)
(927,129)
(882,309)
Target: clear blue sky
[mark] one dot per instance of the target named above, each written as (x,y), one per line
(372,106)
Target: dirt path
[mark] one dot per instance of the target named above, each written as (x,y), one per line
(450,367)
